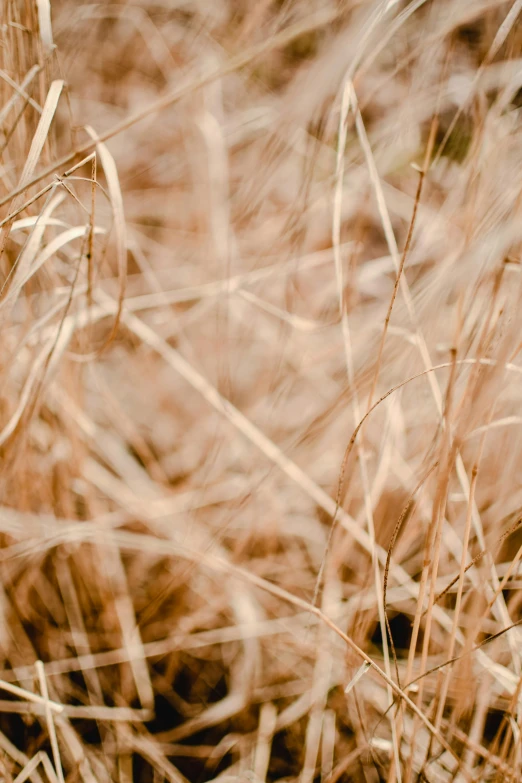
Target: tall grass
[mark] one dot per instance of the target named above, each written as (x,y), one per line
(261,489)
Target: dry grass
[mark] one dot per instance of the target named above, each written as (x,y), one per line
(261,498)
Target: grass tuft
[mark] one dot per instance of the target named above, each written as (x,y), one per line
(260,296)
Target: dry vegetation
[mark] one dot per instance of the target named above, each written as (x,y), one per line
(260,391)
